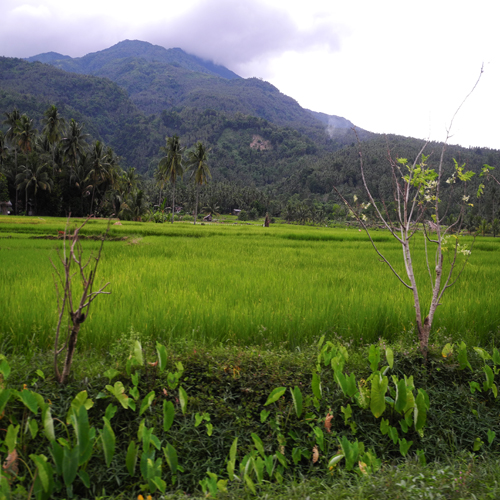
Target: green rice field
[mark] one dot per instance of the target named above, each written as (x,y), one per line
(280,286)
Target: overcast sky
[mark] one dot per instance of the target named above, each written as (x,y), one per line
(388,65)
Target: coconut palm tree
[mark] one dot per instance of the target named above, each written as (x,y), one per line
(32,176)
(53,128)
(73,144)
(99,169)
(171,164)
(197,164)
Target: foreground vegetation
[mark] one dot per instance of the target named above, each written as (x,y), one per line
(233,283)
(235,423)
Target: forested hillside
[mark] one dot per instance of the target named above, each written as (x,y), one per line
(264,151)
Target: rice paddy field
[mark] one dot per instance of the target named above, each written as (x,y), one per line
(218,284)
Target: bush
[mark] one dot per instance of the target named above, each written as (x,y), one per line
(243,215)
(253,214)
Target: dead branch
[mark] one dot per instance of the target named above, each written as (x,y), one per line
(65,284)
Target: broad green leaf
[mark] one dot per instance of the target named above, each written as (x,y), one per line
(146,402)
(232,451)
(482,353)
(108,441)
(258,444)
(320,438)
(351,385)
(350,451)
(171,457)
(11,437)
(404,446)
(85,478)
(58,457)
(222,485)
(275,395)
(118,392)
(250,484)
(183,399)
(269,465)
(138,353)
(4,368)
(477,444)
(374,357)
(347,413)
(259,469)
(85,443)
(131,458)
(400,404)
(168,415)
(111,374)
(33,426)
(70,465)
(389,355)
(296,455)
(281,459)
(377,401)
(491,436)
(462,356)
(45,472)
(393,434)
(447,351)
(110,411)
(420,412)
(162,356)
(496,356)
(297,400)
(210,429)
(4,399)
(489,377)
(263,416)
(198,419)
(316,385)
(384,426)
(335,460)
(159,483)
(29,399)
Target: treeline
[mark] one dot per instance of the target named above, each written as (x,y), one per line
(60,170)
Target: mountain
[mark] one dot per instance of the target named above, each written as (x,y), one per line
(236,139)
(94,63)
(158,79)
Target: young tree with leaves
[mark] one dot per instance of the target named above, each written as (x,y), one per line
(418,192)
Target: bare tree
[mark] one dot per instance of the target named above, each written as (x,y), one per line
(417,191)
(76,271)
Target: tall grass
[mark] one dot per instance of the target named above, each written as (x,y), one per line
(281,286)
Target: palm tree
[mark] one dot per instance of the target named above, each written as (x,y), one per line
(495,227)
(74,143)
(197,164)
(53,126)
(26,134)
(171,164)
(99,169)
(33,176)
(12,120)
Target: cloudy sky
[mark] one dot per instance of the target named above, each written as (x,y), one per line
(390,66)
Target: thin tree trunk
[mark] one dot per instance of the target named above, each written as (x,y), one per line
(173,203)
(196,205)
(73,338)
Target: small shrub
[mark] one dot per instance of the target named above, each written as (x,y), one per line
(243,215)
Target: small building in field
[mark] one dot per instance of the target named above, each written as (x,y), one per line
(5,207)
